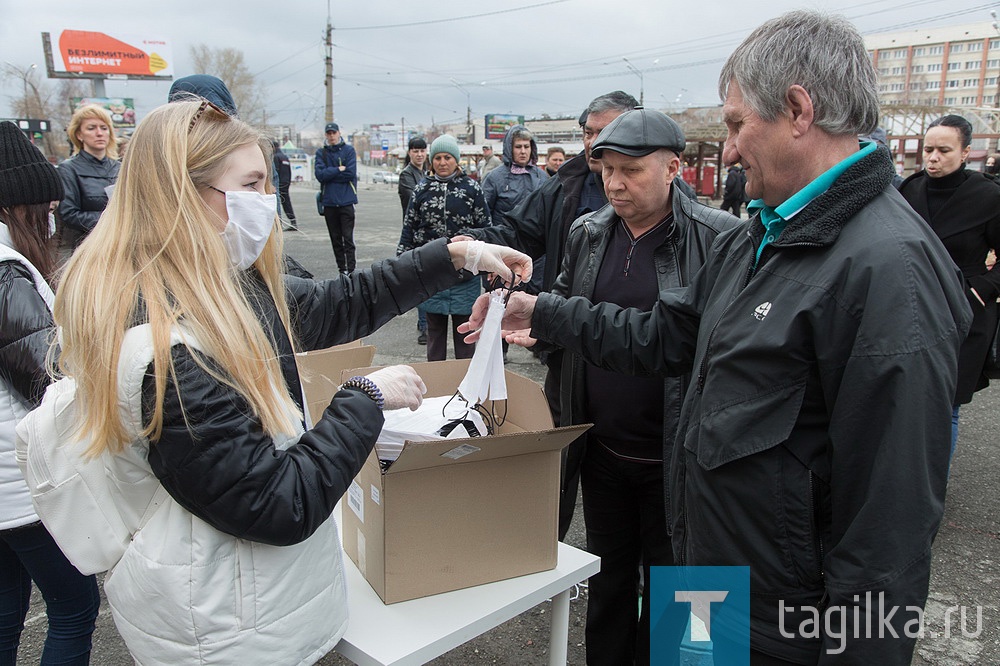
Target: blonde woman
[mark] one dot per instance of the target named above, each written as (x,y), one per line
(92,168)
(241,564)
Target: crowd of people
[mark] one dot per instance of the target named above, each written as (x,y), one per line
(780,391)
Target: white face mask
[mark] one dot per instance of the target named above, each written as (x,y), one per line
(251,218)
(52,224)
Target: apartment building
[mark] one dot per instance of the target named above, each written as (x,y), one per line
(955,66)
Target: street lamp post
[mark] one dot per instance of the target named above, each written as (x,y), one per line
(635,70)
(470,129)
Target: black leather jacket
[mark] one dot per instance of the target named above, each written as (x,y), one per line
(814,439)
(219,464)
(84,179)
(677,260)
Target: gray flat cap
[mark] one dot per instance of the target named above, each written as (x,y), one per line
(639,132)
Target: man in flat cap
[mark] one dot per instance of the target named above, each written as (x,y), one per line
(336,169)
(822,336)
(648,239)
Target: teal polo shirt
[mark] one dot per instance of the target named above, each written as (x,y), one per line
(776,219)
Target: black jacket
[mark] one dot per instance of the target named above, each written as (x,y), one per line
(694,229)
(84,179)
(969,226)
(219,464)
(814,440)
(25,333)
(539,225)
(408,179)
(283,167)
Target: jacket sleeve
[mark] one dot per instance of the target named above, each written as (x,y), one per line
(347,308)
(215,460)
(322,167)
(987,285)
(70,212)
(524,228)
(658,342)
(480,208)
(407,181)
(890,407)
(490,190)
(25,333)
(410,221)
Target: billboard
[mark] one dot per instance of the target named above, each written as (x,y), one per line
(122,109)
(497,124)
(99,54)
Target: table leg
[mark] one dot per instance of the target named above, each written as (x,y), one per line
(559,634)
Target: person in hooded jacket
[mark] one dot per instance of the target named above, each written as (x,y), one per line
(28,553)
(963,209)
(992,167)
(508,185)
(92,168)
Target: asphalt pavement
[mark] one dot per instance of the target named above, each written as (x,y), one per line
(966,569)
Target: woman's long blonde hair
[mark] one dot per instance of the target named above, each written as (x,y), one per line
(157,256)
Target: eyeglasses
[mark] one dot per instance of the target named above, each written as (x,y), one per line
(204,106)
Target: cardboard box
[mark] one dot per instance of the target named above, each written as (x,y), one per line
(321,370)
(460,512)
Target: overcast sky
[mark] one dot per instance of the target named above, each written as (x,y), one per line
(426,60)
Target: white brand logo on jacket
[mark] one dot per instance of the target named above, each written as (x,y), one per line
(761,311)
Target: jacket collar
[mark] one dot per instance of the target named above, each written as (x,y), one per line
(820,222)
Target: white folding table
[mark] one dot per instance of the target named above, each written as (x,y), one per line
(414,632)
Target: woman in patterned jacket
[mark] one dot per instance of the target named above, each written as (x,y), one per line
(442,204)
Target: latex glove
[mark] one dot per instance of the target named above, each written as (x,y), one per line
(516,318)
(481,257)
(400,385)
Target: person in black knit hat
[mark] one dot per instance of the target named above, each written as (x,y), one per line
(28,187)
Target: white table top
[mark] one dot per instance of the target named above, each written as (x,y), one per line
(416,631)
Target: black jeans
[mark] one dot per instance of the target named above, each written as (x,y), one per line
(286,203)
(340,224)
(627,527)
(437,337)
(71,599)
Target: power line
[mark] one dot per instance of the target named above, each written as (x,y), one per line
(454,18)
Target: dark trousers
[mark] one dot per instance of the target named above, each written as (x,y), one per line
(627,527)
(340,224)
(71,599)
(732,205)
(437,337)
(286,203)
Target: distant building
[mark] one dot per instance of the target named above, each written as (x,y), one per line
(955,66)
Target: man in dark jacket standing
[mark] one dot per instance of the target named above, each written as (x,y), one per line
(649,239)
(283,167)
(539,226)
(733,190)
(337,171)
(822,336)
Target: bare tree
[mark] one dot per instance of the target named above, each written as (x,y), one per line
(228,64)
(41,100)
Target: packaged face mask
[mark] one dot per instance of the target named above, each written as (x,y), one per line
(485,377)
(251,220)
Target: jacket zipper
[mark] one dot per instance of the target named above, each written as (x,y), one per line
(820,551)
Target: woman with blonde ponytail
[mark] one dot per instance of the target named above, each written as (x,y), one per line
(241,563)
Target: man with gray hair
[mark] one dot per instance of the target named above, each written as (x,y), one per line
(822,338)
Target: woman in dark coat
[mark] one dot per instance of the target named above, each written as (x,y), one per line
(963,209)
(86,176)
